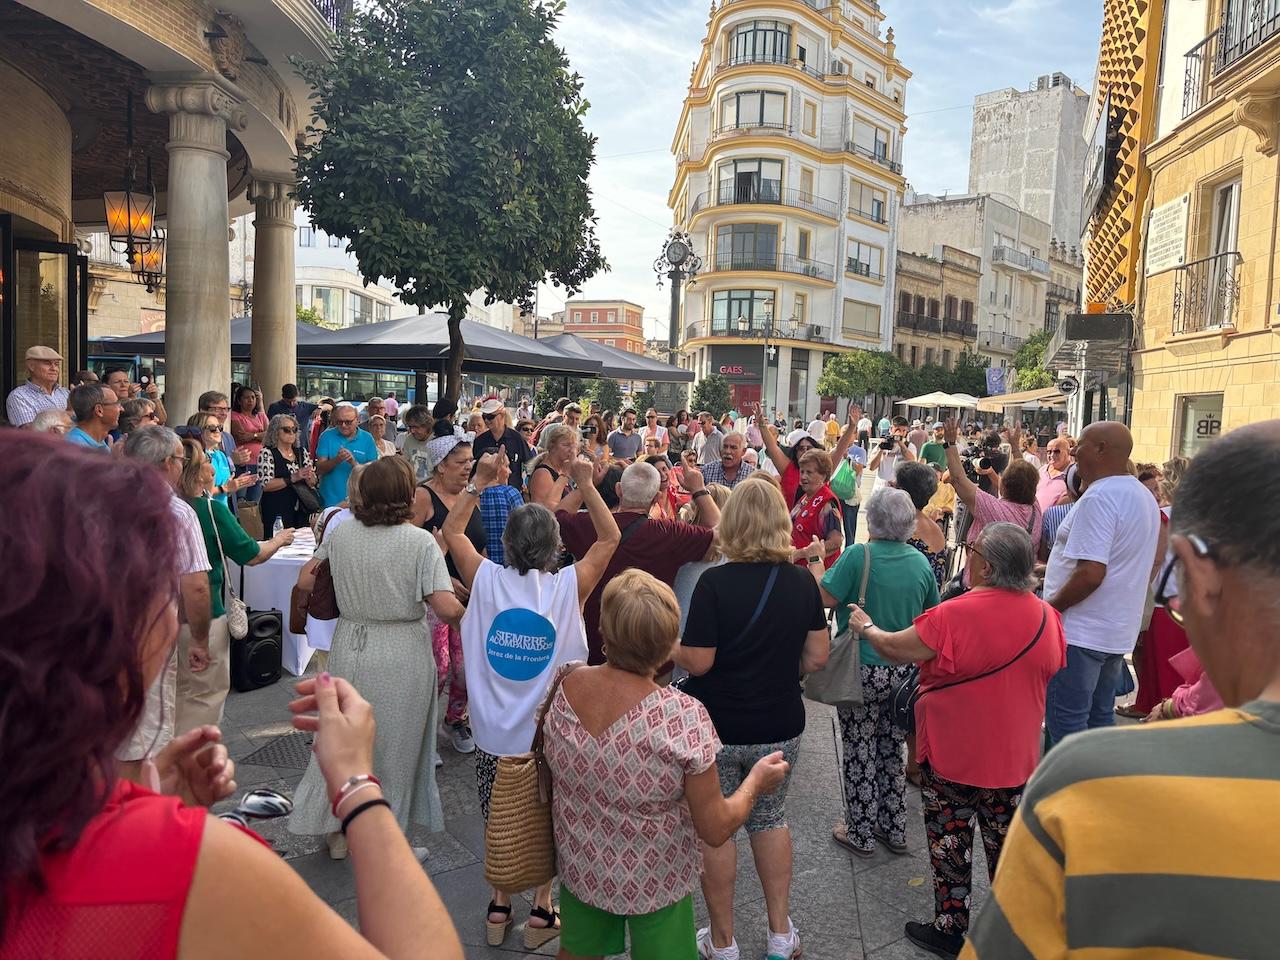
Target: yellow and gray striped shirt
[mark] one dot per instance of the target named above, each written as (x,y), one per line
(1153,841)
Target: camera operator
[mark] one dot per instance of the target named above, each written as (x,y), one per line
(988,462)
(891,451)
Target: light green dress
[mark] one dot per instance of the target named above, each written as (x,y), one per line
(383,648)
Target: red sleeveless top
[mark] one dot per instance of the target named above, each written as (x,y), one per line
(806,523)
(120,892)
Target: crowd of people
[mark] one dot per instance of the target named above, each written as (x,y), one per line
(645,601)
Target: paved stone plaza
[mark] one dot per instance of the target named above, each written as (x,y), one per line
(846,908)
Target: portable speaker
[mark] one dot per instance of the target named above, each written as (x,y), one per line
(256,660)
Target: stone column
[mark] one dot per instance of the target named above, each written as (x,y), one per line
(274,349)
(198,269)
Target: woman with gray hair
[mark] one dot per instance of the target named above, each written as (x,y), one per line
(897,587)
(549,473)
(135,413)
(985,658)
(283,463)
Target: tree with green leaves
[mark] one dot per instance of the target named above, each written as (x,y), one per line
(711,393)
(551,389)
(311,316)
(606,392)
(1028,363)
(449,146)
(970,374)
(848,375)
(644,399)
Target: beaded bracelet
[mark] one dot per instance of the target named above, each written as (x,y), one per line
(348,794)
(361,809)
(349,785)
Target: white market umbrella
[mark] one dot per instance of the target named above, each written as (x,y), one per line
(935,399)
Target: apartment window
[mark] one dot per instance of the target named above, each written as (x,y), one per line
(804,239)
(861,319)
(809,123)
(297,296)
(750,181)
(867,201)
(950,308)
(608,343)
(1008,292)
(595,316)
(933,308)
(801,312)
(306,235)
(728,305)
(865,260)
(802,54)
(904,302)
(767,41)
(919,303)
(928,356)
(897,94)
(335,242)
(915,355)
(901,350)
(359,309)
(747,246)
(327,301)
(612,316)
(753,108)
(869,79)
(1226,219)
(806,183)
(946,359)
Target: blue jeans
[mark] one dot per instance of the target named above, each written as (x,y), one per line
(1082,695)
(850,525)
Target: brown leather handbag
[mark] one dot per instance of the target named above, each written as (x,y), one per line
(322,602)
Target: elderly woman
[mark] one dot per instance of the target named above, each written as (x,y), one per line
(95,865)
(1017,487)
(985,661)
(449,464)
(755,625)
(817,513)
(135,413)
(283,462)
(920,482)
(899,587)
(202,695)
(549,475)
(786,459)
(522,623)
(376,426)
(380,646)
(209,429)
(664,793)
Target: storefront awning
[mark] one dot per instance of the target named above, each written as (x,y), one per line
(1027,398)
(1090,341)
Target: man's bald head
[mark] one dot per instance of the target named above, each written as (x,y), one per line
(1103,450)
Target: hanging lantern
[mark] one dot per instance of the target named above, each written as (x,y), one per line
(130,213)
(147,261)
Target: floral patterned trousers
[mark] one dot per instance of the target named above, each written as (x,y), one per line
(949,811)
(874,771)
(446,645)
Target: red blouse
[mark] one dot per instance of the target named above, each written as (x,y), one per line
(120,891)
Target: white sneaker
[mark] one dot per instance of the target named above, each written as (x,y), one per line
(460,734)
(707,952)
(784,946)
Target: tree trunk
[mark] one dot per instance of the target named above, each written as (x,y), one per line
(453,383)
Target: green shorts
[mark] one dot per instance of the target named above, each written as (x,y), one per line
(666,934)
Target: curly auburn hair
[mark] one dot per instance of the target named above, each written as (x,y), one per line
(1018,483)
(70,637)
(386,493)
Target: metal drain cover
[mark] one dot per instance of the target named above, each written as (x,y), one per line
(291,750)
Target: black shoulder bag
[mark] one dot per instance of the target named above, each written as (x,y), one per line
(901,705)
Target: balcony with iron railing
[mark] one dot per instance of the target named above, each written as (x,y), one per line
(1206,294)
(771,262)
(1020,260)
(856,267)
(757,331)
(757,128)
(876,156)
(765,192)
(956,327)
(1057,291)
(1004,342)
(1246,26)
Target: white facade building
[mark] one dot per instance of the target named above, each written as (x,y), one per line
(1014,247)
(1028,147)
(788,180)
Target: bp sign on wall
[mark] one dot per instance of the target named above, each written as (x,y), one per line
(1167,235)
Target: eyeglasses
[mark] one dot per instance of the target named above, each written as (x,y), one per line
(288,430)
(487,417)
(180,459)
(1172,604)
(152,416)
(345,423)
(212,428)
(222,409)
(972,547)
(526,430)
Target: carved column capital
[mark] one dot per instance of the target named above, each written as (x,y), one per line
(273,202)
(200,97)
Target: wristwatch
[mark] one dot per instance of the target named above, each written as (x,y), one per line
(471,488)
(947,444)
(815,560)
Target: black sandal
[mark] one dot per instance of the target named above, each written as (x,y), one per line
(534,937)
(497,931)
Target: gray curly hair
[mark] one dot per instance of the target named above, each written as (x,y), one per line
(272,435)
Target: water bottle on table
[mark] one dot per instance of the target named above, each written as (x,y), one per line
(277,527)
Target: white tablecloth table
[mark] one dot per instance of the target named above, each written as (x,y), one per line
(268,586)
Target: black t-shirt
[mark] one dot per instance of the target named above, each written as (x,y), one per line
(999,461)
(752,691)
(512,444)
(475,529)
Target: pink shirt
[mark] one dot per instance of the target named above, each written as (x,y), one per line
(989,509)
(986,733)
(625,842)
(1050,489)
(250,423)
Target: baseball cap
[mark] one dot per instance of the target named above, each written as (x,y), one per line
(937,426)
(43,353)
(492,405)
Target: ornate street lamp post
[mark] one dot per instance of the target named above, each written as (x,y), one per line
(679,264)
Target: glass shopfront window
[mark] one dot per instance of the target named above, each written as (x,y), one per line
(1199,422)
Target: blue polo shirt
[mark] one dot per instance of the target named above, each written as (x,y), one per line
(81,439)
(333,485)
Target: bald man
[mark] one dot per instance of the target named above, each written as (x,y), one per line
(1099,570)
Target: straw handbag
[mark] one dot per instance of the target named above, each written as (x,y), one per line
(519,846)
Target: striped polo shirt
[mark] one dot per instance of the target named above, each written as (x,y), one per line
(1150,841)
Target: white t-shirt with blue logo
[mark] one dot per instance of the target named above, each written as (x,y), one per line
(517,631)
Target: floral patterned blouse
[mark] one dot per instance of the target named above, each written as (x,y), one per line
(625,842)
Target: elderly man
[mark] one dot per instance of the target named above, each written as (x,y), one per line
(1053,474)
(658,547)
(706,443)
(341,447)
(730,469)
(57,422)
(97,413)
(161,447)
(417,421)
(1127,817)
(497,435)
(1099,570)
(41,391)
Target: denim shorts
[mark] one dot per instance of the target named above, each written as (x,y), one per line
(734,762)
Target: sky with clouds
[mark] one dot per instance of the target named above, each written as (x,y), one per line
(635,57)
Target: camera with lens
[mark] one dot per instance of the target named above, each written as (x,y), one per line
(980,463)
(588,430)
(886,444)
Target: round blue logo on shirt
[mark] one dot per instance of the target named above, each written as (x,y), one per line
(520,644)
